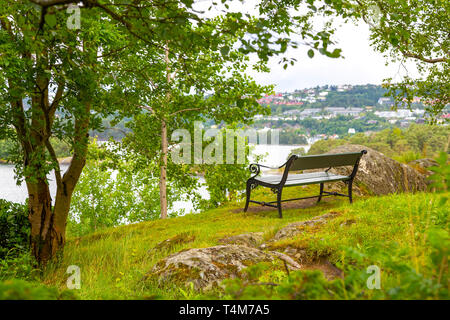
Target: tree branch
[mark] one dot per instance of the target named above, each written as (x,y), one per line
(419,57)
(184,110)
(55,160)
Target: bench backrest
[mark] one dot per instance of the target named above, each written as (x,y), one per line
(323,161)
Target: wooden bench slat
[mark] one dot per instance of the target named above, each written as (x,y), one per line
(304,178)
(325,161)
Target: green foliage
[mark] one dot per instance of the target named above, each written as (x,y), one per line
(414,31)
(338,125)
(323,146)
(225,182)
(111,192)
(279,285)
(62,148)
(23,290)
(406,237)
(14,228)
(295,136)
(415,142)
(19,265)
(441,173)
(402,234)
(7,148)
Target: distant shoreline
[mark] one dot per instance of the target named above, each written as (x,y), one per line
(65,160)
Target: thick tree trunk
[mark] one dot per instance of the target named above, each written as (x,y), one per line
(48,223)
(47,236)
(163,175)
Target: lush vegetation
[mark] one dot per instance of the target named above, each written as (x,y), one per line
(414,142)
(152,68)
(14,228)
(60,78)
(10,150)
(405,235)
(125,185)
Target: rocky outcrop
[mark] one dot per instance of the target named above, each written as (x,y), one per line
(378,174)
(252,239)
(205,267)
(293,229)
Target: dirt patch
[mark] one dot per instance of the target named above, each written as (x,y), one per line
(329,270)
(299,204)
(320,263)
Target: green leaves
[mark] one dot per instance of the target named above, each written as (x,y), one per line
(441,174)
(311,53)
(224,51)
(50,19)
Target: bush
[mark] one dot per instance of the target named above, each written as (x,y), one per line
(24,290)
(18,265)
(14,228)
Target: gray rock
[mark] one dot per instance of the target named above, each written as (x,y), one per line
(378,174)
(206,267)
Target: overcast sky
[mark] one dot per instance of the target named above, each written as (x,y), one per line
(361,64)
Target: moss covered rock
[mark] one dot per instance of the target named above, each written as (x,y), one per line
(206,267)
(378,174)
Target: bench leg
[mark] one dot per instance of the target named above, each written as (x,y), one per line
(350,191)
(280,214)
(248,191)
(321,192)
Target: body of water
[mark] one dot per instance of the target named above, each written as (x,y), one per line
(276,155)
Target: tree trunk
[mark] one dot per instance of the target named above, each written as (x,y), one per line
(163,176)
(47,238)
(164,146)
(48,223)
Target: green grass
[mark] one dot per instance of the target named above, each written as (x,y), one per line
(114,261)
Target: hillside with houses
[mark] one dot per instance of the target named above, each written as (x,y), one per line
(320,112)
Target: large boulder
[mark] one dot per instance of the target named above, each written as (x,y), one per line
(378,174)
(205,267)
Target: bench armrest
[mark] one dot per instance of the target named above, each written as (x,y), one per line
(256,168)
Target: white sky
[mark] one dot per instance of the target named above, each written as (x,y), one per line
(361,65)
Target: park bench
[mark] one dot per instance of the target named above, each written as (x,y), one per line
(298,163)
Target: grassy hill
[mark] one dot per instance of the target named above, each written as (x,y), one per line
(405,235)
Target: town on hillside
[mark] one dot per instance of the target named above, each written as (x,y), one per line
(333,111)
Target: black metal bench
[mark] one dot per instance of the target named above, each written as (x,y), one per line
(297,163)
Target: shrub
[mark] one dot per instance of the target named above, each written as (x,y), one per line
(14,228)
(24,290)
(441,174)
(18,265)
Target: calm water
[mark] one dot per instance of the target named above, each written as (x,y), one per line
(9,190)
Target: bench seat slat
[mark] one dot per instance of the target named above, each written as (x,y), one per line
(304,178)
